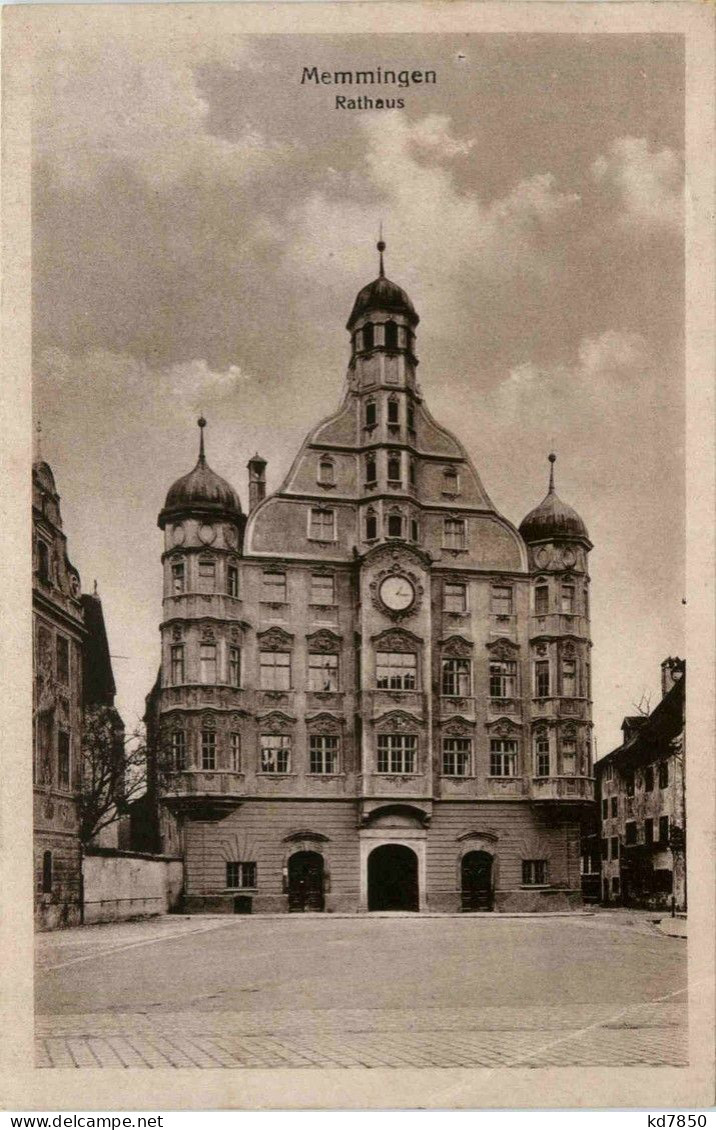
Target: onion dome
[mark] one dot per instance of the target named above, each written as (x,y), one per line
(553,519)
(382,294)
(201,489)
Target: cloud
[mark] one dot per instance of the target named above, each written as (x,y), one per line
(431,136)
(647,185)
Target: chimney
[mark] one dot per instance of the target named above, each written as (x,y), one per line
(257,481)
(672,670)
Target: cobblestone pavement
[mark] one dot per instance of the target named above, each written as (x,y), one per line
(455,1020)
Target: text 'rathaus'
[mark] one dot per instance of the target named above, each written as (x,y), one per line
(374,690)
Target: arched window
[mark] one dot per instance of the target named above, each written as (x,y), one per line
(47,873)
(391,335)
(368,336)
(393,411)
(326,471)
(395,524)
(371,414)
(371,475)
(394,472)
(371,525)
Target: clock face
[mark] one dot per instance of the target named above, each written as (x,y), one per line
(397,593)
(207,533)
(178,534)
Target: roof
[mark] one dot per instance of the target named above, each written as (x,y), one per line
(553,518)
(382,294)
(653,737)
(200,489)
(98,686)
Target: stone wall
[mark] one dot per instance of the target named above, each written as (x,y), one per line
(121,885)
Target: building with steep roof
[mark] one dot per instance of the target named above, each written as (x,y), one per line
(374,689)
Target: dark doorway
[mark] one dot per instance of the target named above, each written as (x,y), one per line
(393,878)
(305,881)
(476,881)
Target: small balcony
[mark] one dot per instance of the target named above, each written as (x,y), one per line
(570,789)
(202,794)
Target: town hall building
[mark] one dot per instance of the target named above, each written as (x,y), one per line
(374,690)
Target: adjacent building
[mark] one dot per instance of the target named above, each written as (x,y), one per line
(641,786)
(374,689)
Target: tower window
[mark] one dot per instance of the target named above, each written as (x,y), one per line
(326,472)
(393,411)
(47,873)
(371,413)
(207,662)
(275,670)
(371,475)
(274,588)
(568,602)
(395,525)
(63,660)
(177,664)
(178,578)
(542,678)
(569,755)
(235,749)
(394,471)
(232,580)
(542,758)
(541,600)
(371,526)
(368,336)
(454,533)
(411,416)
(569,678)
(414,529)
(411,472)
(234,667)
(391,335)
(43,560)
(208,749)
(178,751)
(322,672)
(63,759)
(207,574)
(322,525)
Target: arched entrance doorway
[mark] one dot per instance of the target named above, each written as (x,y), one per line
(393,878)
(305,881)
(476,881)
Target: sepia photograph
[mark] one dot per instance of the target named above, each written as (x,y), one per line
(359,546)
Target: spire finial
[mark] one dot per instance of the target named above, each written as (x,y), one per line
(96,590)
(381,248)
(39,441)
(202,424)
(552,460)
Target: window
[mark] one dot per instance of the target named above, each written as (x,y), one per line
(457,757)
(63,759)
(177,664)
(274,588)
(663,829)
(615,807)
(569,677)
(663,774)
(541,600)
(503,678)
(456,678)
(455,597)
(450,481)
(368,336)
(605,849)
(568,600)
(395,525)
(178,578)
(393,413)
(232,580)
(396,753)
(501,600)
(614,847)
(411,416)
(394,471)
(47,873)
(586,602)
(629,781)
(63,660)
(371,414)
(178,751)
(207,575)
(534,872)
(208,749)
(411,472)
(322,672)
(322,525)
(391,335)
(649,778)
(454,533)
(605,809)
(569,756)
(323,753)
(396,671)
(503,757)
(371,526)
(323,589)
(275,753)
(240,874)
(207,662)
(235,750)
(542,758)
(275,670)
(43,560)
(648,831)
(326,472)
(608,772)
(234,667)
(542,678)
(587,680)
(371,474)
(414,531)
(630,829)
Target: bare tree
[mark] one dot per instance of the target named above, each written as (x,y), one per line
(114,770)
(643,707)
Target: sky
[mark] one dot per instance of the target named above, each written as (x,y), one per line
(202,222)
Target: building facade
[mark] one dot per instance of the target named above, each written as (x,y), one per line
(641,786)
(374,690)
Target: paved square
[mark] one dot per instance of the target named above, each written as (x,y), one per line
(372,991)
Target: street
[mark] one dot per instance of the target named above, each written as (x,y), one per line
(400,990)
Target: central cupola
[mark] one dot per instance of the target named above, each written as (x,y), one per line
(383,317)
